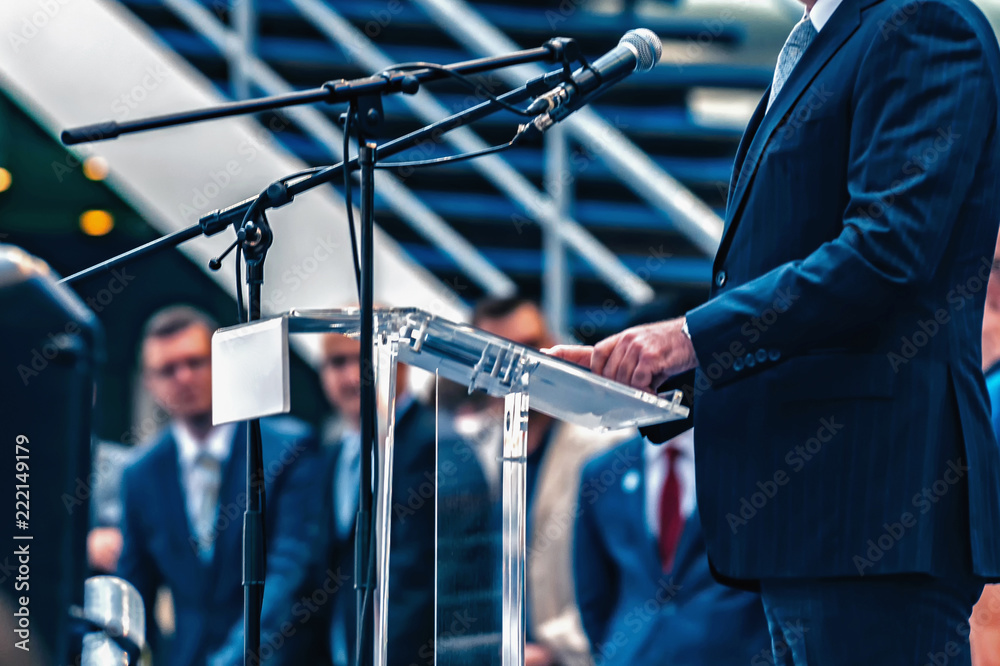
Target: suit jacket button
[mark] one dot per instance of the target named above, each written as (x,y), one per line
(773,354)
(720,279)
(761,355)
(738,364)
(750,360)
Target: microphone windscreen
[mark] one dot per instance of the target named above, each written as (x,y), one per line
(112,603)
(647,45)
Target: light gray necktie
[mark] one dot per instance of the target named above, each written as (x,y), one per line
(798,40)
(206,477)
(347,480)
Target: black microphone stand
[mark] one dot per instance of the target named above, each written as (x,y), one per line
(248,219)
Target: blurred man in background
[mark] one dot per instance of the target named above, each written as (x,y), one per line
(556,453)
(184,498)
(104,540)
(461,501)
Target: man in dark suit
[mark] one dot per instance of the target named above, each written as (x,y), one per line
(183,502)
(642,579)
(844,452)
(462,502)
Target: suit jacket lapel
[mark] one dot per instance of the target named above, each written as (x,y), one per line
(839,28)
(741,152)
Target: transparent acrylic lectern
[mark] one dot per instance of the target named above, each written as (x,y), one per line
(479,605)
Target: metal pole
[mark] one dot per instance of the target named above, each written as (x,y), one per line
(557,282)
(369,428)
(244,20)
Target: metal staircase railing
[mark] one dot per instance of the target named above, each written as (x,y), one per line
(407,205)
(549,208)
(690,214)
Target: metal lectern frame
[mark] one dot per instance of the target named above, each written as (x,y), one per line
(242,390)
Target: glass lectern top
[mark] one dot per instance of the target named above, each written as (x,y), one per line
(486,362)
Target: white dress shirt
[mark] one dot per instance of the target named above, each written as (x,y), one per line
(821,12)
(656,475)
(218,444)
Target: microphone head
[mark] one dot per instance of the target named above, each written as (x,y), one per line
(647,46)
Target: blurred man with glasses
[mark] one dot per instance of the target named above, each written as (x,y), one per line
(184,498)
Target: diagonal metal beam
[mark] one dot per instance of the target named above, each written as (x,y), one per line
(494,168)
(692,216)
(402,200)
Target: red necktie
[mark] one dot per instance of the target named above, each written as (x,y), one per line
(671,521)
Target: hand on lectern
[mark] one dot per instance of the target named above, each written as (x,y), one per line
(643,357)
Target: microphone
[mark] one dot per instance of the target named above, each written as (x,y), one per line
(637,51)
(115,620)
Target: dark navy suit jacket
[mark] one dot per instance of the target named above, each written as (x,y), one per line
(208,598)
(841,411)
(634,613)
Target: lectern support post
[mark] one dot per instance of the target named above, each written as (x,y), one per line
(515,443)
(386,351)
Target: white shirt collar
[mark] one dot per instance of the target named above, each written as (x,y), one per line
(218,443)
(821,12)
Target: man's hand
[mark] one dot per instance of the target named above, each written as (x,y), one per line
(104,546)
(642,357)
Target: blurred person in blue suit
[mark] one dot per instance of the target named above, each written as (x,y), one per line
(462,501)
(643,583)
(645,591)
(985,621)
(991,340)
(839,356)
(183,500)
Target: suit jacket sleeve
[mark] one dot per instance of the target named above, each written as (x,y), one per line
(924,87)
(594,574)
(135,564)
(663,432)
